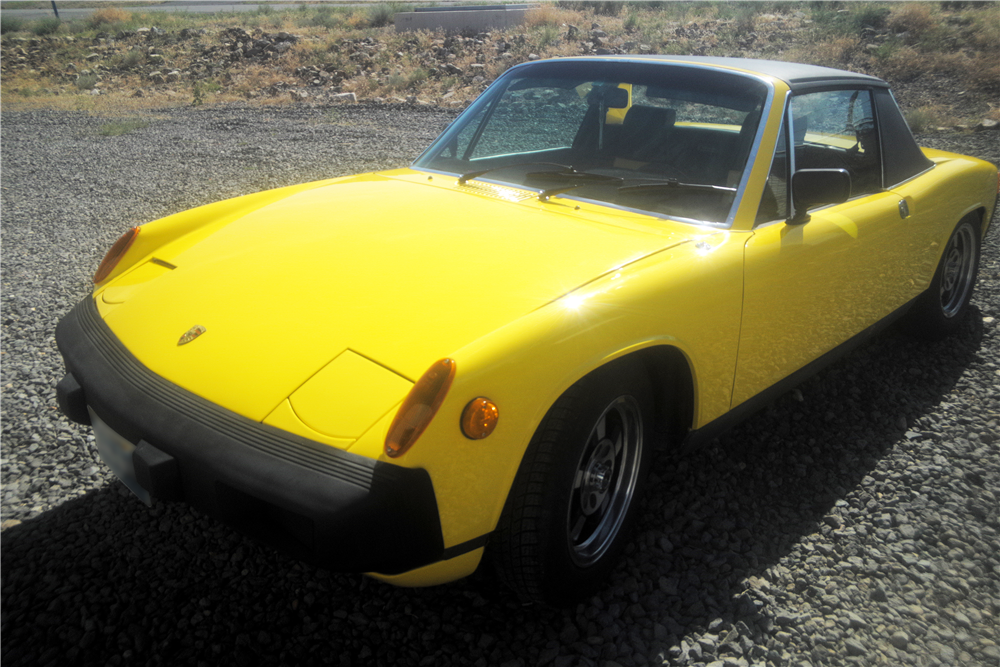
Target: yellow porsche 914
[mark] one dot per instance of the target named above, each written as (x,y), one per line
(406,373)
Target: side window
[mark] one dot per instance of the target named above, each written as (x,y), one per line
(837,130)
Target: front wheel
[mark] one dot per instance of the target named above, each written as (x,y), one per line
(574,499)
(939,311)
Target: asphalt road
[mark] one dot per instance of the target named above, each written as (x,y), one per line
(191,6)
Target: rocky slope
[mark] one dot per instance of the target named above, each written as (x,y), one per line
(946,59)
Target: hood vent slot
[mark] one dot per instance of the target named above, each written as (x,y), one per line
(498,192)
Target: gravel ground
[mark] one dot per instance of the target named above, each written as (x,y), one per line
(855,521)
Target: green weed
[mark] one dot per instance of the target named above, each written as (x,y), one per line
(197,94)
(119,127)
(46,26)
(925,118)
(631,21)
(382,15)
(86,81)
(547,35)
(130,59)
(325,16)
(10,24)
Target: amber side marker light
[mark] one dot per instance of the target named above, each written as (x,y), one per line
(479,418)
(419,407)
(115,255)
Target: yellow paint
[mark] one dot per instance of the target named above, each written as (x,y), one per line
(812,286)
(524,366)
(284,417)
(127,284)
(350,394)
(323,302)
(295,282)
(436,573)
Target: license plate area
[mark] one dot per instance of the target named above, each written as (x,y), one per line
(116,452)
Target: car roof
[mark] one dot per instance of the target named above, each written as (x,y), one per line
(799,77)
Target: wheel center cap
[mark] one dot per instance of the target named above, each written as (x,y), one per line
(599,477)
(951,270)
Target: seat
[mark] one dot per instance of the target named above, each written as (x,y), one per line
(643,128)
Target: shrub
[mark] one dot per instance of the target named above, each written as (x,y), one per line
(983,73)
(86,81)
(108,16)
(411,80)
(326,17)
(913,17)
(870,16)
(925,118)
(547,14)
(10,24)
(833,52)
(849,22)
(746,20)
(631,22)
(547,34)
(417,77)
(985,30)
(608,8)
(46,26)
(382,15)
(132,59)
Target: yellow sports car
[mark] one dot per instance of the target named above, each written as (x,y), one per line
(409,372)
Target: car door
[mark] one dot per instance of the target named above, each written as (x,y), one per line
(810,286)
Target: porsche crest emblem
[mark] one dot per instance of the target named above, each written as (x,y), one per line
(191,334)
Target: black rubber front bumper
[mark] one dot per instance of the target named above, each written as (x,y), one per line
(317,503)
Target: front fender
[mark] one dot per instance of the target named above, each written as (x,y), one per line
(525,366)
(194,224)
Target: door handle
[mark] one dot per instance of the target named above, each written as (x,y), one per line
(904,209)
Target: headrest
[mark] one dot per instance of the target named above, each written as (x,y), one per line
(651,118)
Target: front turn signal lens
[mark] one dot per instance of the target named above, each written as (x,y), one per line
(479,418)
(419,407)
(115,255)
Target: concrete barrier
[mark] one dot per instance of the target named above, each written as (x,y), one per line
(456,19)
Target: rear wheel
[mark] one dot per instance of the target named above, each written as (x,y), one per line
(939,311)
(572,505)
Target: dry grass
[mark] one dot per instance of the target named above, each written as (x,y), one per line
(550,14)
(929,117)
(109,16)
(916,18)
(833,52)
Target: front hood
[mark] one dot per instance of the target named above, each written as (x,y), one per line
(398,271)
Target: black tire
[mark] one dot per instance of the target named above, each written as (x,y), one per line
(574,500)
(938,312)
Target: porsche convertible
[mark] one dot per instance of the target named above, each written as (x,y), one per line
(473,360)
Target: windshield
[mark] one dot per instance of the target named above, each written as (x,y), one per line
(664,139)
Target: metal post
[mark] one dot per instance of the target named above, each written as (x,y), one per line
(54,10)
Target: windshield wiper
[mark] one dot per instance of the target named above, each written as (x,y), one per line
(464,178)
(673,184)
(578,179)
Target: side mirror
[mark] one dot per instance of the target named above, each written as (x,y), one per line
(814,187)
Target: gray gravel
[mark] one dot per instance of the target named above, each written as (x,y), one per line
(855,521)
